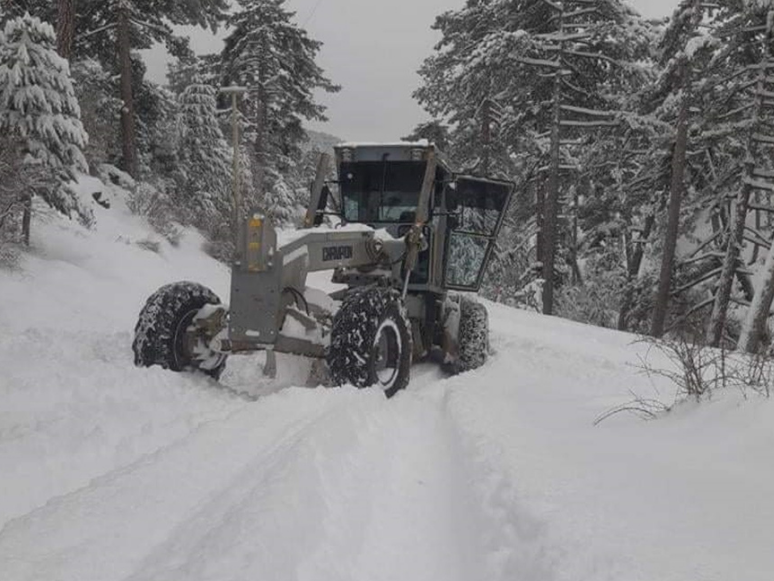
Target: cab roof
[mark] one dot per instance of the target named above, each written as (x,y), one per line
(395,151)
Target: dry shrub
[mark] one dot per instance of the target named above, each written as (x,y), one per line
(697,371)
(150,245)
(151,203)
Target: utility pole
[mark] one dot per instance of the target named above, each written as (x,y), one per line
(236,210)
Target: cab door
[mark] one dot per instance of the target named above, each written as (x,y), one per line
(478,209)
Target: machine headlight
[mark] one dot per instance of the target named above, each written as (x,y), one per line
(347,155)
(417,154)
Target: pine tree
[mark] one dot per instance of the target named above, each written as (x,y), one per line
(434,131)
(111,30)
(469,85)
(100,107)
(743,113)
(40,113)
(531,78)
(275,59)
(204,161)
(675,87)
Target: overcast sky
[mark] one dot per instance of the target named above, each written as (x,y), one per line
(372,48)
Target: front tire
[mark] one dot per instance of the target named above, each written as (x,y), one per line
(159,336)
(370,341)
(473,337)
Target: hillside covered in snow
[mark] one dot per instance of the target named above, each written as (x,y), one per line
(111,472)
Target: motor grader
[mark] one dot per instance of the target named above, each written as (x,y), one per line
(409,248)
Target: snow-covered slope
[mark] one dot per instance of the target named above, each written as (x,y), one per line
(109,472)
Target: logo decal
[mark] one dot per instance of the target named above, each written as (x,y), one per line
(337,253)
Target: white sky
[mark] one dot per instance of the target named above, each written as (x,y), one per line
(372,48)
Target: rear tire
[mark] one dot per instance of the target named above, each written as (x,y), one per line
(159,334)
(370,341)
(473,337)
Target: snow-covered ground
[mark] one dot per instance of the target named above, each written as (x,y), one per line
(109,472)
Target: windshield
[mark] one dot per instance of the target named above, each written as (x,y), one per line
(377,191)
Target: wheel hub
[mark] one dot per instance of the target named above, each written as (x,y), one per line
(387,354)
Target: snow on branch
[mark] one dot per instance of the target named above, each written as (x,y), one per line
(584,111)
(759,184)
(85,35)
(587,124)
(705,277)
(539,62)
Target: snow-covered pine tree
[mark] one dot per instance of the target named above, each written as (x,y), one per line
(39,114)
(593,53)
(471,84)
(190,67)
(742,108)
(110,30)
(204,163)
(618,194)
(759,174)
(275,59)
(433,131)
(100,107)
(673,97)
(530,78)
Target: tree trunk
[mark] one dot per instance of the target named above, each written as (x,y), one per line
(27,218)
(632,272)
(128,139)
(676,188)
(540,207)
(758,314)
(65,27)
(486,135)
(551,212)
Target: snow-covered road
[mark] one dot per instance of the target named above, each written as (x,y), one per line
(303,484)
(109,472)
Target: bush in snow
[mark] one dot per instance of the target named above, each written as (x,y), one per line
(39,118)
(696,371)
(154,205)
(597,299)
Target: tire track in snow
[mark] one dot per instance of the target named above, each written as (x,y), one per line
(308,485)
(103,532)
(369,492)
(375,490)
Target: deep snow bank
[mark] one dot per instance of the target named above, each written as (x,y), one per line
(72,405)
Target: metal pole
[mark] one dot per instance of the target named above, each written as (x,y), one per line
(236,211)
(237,194)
